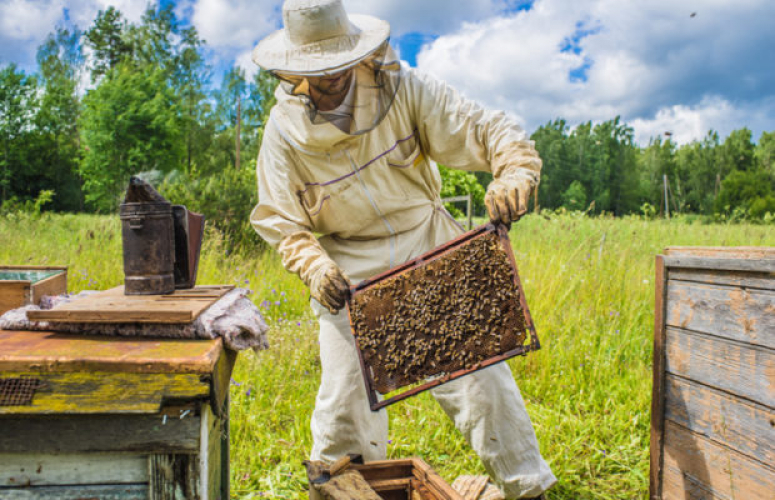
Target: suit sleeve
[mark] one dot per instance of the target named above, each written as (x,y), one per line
(459,133)
(279,217)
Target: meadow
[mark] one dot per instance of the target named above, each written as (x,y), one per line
(590,286)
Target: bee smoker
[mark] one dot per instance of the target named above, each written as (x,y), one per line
(161,242)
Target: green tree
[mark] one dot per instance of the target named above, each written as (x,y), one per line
(60,60)
(459,183)
(18,105)
(575,198)
(130,125)
(764,153)
(109,42)
(752,190)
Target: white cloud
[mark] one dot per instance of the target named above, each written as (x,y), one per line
(647,61)
(235,23)
(25,24)
(426,16)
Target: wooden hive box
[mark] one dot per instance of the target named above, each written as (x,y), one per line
(24,285)
(713,407)
(407,479)
(85,417)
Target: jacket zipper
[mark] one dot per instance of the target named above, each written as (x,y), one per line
(376,209)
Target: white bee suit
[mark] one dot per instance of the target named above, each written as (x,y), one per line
(373,202)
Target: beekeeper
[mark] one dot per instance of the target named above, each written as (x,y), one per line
(348,188)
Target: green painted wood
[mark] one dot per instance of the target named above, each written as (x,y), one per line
(95,433)
(81,492)
(36,469)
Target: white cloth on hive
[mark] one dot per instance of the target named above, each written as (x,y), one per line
(233,317)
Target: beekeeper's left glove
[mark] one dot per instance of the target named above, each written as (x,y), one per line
(507,198)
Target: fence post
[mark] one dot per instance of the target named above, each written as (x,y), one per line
(470,210)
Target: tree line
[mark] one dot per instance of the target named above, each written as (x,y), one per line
(144,101)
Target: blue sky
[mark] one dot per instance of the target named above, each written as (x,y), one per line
(663,66)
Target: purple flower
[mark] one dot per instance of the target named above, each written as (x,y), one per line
(282,293)
(277,303)
(247,393)
(298,323)
(236,383)
(265,304)
(390,441)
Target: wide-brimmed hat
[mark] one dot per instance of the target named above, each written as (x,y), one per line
(319,37)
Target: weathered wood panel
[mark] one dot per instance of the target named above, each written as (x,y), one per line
(728,264)
(741,425)
(14,294)
(47,351)
(54,285)
(112,306)
(744,253)
(174,477)
(658,379)
(94,433)
(30,469)
(764,281)
(80,492)
(722,471)
(748,371)
(746,315)
(108,392)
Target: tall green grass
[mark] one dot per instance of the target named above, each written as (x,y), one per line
(590,287)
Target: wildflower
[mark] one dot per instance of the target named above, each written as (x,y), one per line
(247,393)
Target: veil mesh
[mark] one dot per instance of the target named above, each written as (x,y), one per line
(373,87)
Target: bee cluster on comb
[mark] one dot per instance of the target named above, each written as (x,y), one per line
(448,314)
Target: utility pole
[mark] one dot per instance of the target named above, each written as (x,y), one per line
(239,121)
(667,207)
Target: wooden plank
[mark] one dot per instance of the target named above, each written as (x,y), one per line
(221,380)
(732,264)
(33,268)
(722,252)
(35,469)
(729,312)
(47,351)
(177,433)
(112,306)
(211,454)
(658,385)
(724,472)
(108,392)
(14,294)
(80,492)
(174,477)
(734,367)
(53,285)
(741,425)
(764,281)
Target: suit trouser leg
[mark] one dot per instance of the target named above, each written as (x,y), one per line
(485,406)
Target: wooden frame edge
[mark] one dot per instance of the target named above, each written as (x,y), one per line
(658,388)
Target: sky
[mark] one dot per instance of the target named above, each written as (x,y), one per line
(664,66)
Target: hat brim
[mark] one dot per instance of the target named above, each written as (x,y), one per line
(275,52)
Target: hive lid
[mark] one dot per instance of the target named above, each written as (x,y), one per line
(112,306)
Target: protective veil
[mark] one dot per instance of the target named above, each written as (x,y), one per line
(373,199)
(373,86)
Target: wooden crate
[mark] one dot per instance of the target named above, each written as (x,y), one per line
(113,418)
(409,479)
(19,288)
(713,407)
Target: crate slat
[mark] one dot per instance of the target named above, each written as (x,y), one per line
(725,311)
(720,470)
(35,469)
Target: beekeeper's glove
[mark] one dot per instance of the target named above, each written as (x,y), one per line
(329,286)
(507,197)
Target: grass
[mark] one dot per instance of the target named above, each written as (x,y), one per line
(590,286)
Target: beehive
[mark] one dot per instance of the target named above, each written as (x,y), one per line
(24,285)
(452,311)
(713,407)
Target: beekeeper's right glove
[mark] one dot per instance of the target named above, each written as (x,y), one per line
(329,286)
